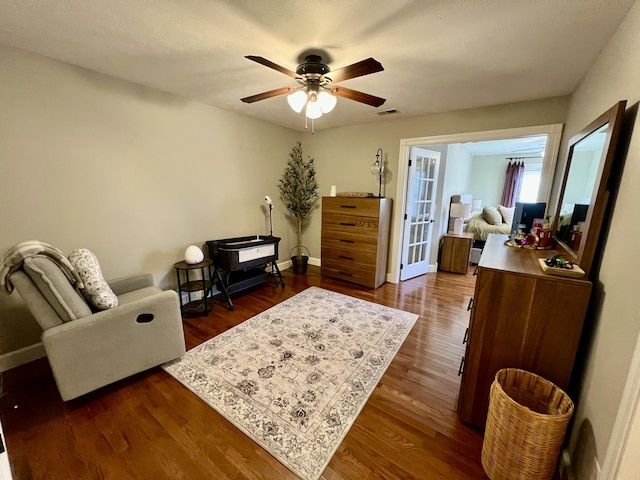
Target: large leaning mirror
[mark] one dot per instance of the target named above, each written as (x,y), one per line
(584,193)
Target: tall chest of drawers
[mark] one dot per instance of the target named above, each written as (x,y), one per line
(355,239)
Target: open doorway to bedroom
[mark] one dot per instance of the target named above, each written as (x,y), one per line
(474,164)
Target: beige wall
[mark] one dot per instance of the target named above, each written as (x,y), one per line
(133,174)
(614,76)
(488,173)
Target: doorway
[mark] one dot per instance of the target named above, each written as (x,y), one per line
(553,133)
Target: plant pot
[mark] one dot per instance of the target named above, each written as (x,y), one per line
(300,264)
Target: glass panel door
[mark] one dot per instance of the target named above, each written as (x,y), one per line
(418,223)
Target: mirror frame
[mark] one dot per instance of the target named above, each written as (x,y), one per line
(600,195)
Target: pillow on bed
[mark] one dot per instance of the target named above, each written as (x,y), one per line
(491,215)
(507,214)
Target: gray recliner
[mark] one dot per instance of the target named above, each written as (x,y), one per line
(88,350)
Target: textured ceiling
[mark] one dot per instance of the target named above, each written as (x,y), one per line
(438,55)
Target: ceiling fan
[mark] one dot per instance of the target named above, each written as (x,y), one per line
(317,89)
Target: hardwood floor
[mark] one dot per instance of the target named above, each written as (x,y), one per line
(151,427)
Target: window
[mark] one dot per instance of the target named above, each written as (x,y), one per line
(530,181)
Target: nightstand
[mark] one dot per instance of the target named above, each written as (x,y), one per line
(455,252)
(204,284)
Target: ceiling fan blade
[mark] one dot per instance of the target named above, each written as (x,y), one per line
(358,96)
(270,64)
(363,67)
(265,95)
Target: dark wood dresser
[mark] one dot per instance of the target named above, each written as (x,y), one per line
(520,318)
(355,239)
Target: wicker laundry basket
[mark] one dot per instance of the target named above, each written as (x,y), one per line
(525,428)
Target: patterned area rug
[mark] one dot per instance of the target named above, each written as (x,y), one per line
(295,377)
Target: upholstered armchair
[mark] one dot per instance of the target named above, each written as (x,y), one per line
(88,349)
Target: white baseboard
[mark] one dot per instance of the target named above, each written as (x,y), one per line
(315,261)
(21,356)
(284,265)
(287,263)
(565,470)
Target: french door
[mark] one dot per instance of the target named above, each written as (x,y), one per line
(420,211)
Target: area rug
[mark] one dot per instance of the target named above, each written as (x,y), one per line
(295,377)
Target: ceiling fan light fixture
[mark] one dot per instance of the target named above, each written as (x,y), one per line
(313,109)
(297,100)
(327,101)
(315,93)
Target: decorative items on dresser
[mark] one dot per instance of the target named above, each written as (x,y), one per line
(455,252)
(520,318)
(355,239)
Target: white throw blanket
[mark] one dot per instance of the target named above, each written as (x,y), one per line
(16,255)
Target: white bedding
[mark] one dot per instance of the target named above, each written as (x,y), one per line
(481,229)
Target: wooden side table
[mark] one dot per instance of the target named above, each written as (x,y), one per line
(455,252)
(204,284)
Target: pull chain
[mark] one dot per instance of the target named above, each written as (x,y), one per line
(306,125)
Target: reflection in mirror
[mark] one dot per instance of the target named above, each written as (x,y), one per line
(584,192)
(581,179)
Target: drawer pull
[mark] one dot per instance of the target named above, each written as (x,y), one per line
(461,369)
(346,241)
(346,274)
(348,224)
(470,304)
(348,206)
(345,257)
(466,336)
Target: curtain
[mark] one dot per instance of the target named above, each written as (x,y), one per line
(512,184)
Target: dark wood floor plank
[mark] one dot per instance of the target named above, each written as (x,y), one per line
(150,426)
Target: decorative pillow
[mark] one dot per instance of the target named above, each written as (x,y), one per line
(507,214)
(96,290)
(491,215)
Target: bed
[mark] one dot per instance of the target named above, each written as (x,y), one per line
(476,221)
(481,228)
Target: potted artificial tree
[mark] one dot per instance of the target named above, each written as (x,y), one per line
(299,192)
